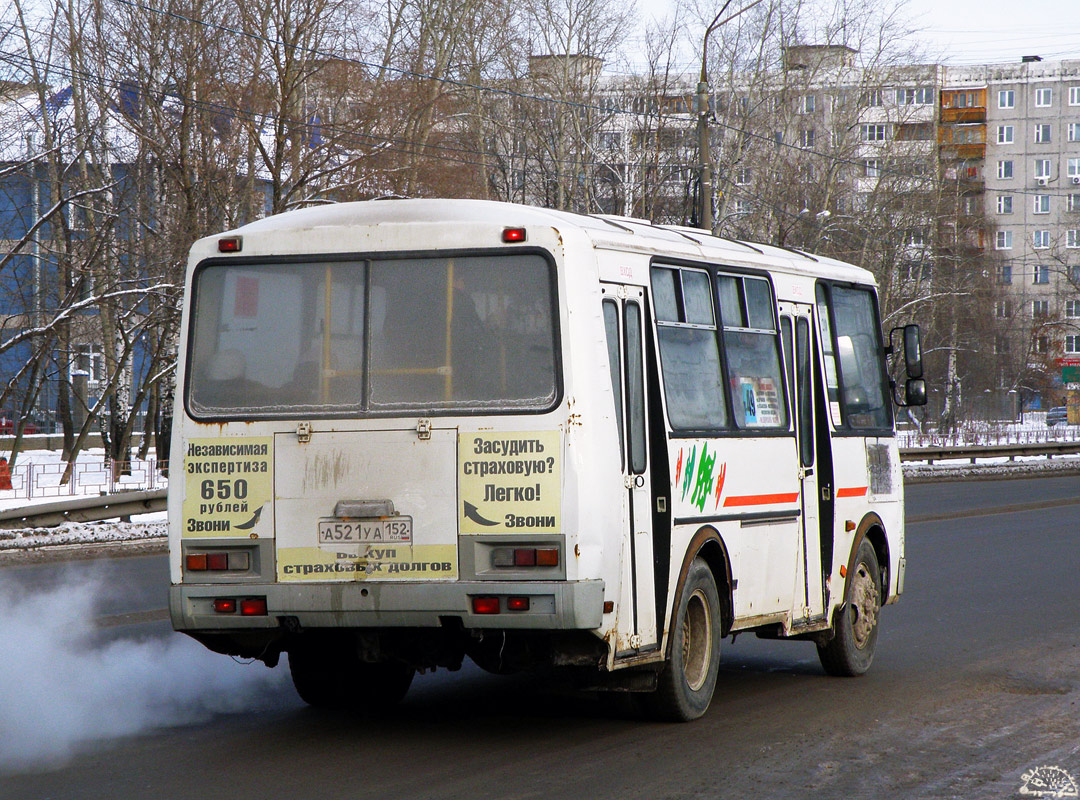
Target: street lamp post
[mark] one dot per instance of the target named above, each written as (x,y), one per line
(705,183)
(705,187)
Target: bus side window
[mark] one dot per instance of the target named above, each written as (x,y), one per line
(689,357)
(803,400)
(787,338)
(865,395)
(635,389)
(752,350)
(611,328)
(827,348)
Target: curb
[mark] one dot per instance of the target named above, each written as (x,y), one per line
(83,551)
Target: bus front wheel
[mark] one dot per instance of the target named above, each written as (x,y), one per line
(851,649)
(328,673)
(685,686)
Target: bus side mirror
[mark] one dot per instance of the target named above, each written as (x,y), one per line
(915,392)
(912,349)
(914,386)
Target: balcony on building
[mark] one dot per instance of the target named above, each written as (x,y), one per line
(959,241)
(952,116)
(959,106)
(962,142)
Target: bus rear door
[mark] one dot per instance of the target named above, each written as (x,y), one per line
(624,322)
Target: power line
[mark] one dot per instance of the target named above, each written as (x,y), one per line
(398,144)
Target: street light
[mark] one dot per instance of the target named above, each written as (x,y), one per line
(705,185)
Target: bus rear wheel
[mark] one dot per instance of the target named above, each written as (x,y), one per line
(685,687)
(851,649)
(328,673)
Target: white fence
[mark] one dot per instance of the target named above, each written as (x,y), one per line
(30,479)
(1033,430)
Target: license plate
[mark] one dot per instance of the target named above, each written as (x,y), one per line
(363,531)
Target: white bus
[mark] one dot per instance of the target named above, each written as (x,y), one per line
(410,431)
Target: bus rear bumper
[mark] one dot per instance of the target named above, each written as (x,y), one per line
(562,605)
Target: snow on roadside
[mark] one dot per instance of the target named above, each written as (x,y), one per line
(35,477)
(82,533)
(144,527)
(153,527)
(963,469)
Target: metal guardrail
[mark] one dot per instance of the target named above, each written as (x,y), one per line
(934,453)
(124,504)
(84,509)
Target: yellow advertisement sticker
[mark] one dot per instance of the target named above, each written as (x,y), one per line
(228,485)
(509,482)
(370,563)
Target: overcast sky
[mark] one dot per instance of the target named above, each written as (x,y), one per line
(976,31)
(994,31)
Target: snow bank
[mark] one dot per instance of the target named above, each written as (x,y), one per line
(82,533)
(153,528)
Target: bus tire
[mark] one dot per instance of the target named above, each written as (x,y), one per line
(851,649)
(330,674)
(686,684)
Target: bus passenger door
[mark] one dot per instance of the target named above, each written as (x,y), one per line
(796,324)
(624,322)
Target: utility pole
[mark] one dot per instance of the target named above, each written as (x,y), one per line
(705,185)
(705,170)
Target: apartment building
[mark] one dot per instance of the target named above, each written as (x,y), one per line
(1032,180)
(977,166)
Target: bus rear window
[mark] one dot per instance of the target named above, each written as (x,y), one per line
(407,335)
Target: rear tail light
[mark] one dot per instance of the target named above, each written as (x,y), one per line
(547,557)
(525,557)
(218,561)
(485,605)
(225,605)
(517,604)
(253,607)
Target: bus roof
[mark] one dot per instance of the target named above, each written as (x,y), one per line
(606,232)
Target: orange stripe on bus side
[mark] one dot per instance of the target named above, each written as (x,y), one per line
(854,491)
(761,499)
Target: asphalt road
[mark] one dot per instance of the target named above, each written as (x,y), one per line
(976,684)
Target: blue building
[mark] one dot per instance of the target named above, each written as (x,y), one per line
(81,213)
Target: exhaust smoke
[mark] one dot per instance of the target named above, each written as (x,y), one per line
(62,684)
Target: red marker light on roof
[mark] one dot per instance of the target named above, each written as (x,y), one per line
(230,244)
(511,235)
